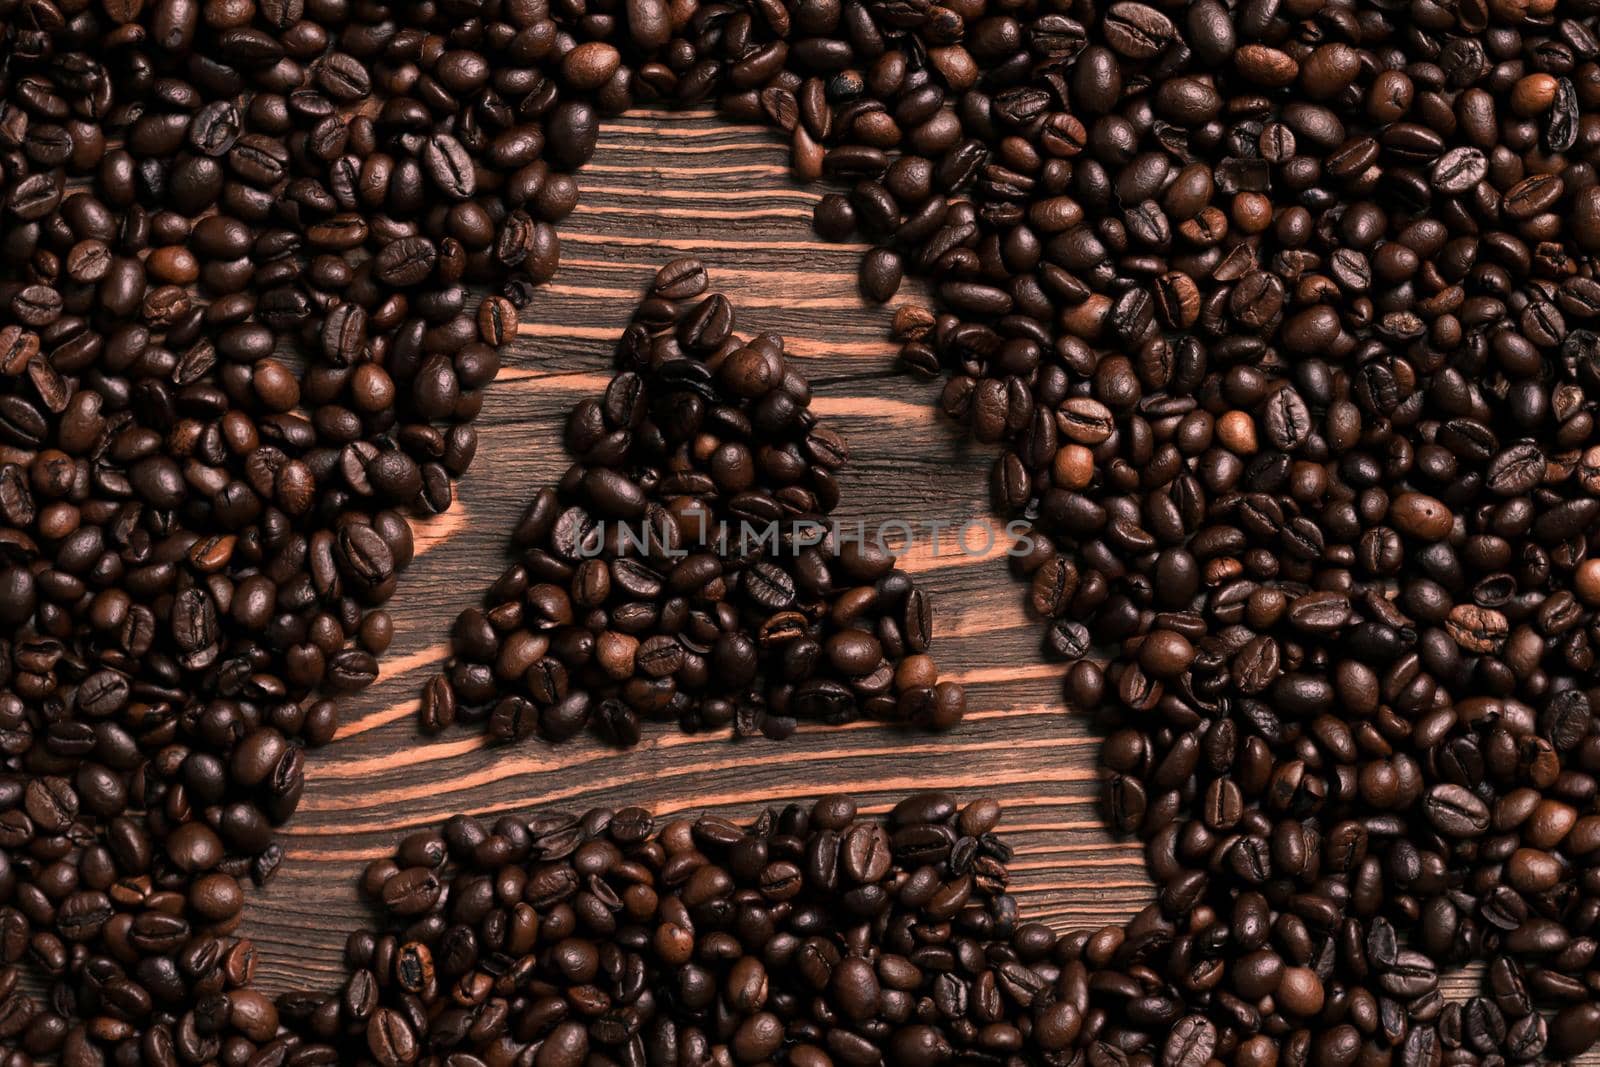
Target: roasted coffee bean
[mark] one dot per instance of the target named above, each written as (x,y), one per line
(880,275)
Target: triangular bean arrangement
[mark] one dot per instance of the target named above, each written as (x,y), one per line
(685,568)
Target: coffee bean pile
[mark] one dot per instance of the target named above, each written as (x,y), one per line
(1280,313)
(235,349)
(684,568)
(813,936)
(1283,318)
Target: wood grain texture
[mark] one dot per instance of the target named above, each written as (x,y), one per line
(664,184)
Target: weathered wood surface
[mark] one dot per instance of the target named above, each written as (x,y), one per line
(661,185)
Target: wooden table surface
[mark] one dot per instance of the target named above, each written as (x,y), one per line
(661,185)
